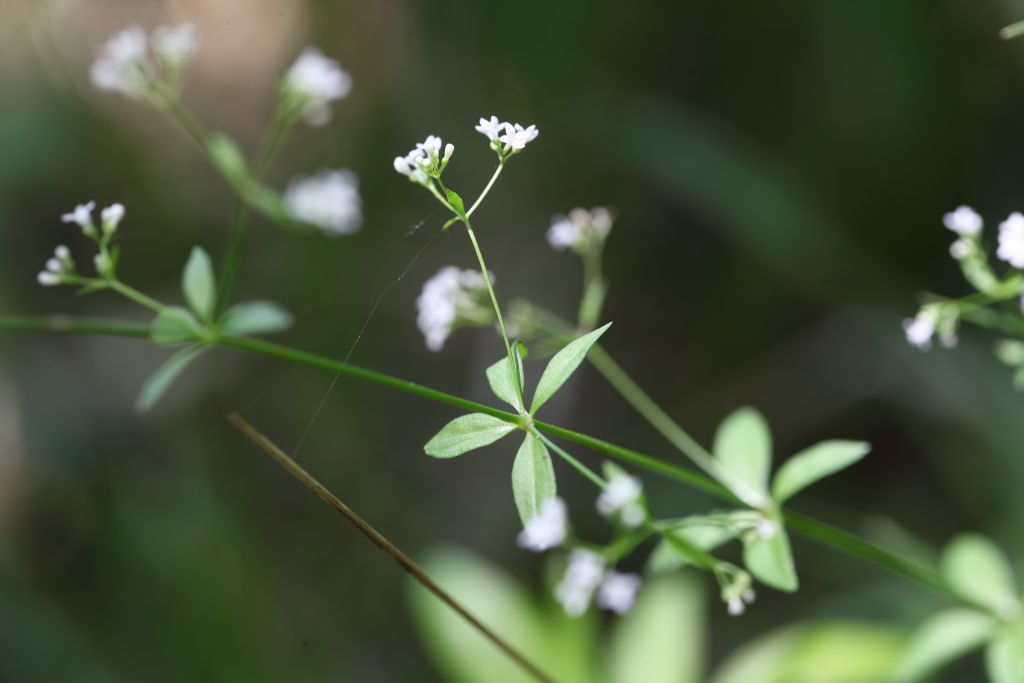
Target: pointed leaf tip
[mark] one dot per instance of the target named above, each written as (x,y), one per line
(562,365)
(198,284)
(814,463)
(467,433)
(533,478)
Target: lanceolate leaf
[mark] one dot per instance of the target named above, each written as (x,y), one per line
(175,325)
(256,317)
(197,283)
(466,433)
(817,462)
(533,478)
(503,383)
(161,380)
(770,560)
(561,365)
(941,639)
(743,446)
(978,571)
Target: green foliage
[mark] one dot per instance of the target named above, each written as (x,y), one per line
(199,285)
(175,325)
(743,446)
(944,637)
(467,433)
(817,462)
(770,560)
(976,569)
(161,380)
(1004,657)
(533,477)
(502,379)
(255,317)
(563,364)
(456,202)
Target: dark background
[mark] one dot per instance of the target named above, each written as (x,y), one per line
(779,171)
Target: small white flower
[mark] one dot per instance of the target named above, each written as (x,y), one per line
(111,217)
(122,66)
(446,296)
(920,328)
(582,576)
(766,529)
(329,200)
(174,45)
(54,265)
(431,147)
(547,528)
(963,221)
(618,592)
(48,279)
(102,263)
(82,215)
(317,80)
(491,128)
(580,226)
(621,498)
(516,136)
(63,253)
(449,150)
(961,248)
(749,596)
(1011,240)
(735,607)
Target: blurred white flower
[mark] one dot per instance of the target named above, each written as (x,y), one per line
(431,147)
(961,248)
(316,80)
(617,592)
(963,221)
(766,529)
(547,528)
(579,227)
(48,279)
(621,499)
(111,217)
(452,293)
(329,200)
(491,128)
(175,45)
(735,606)
(516,136)
(1011,240)
(920,328)
(122,65)
(82,215)
(582,576)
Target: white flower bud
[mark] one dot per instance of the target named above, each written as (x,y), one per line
(449,149)
(48,279)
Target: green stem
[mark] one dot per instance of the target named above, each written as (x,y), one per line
(487,189)
(136,296)
(580,467)
(815,530)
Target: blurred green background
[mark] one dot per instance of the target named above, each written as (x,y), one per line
(779,172)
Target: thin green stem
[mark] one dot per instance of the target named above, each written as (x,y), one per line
(815,530)
(1012,31)
(487,188)
(136,296)
(580,467)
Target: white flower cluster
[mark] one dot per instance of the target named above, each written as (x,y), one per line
(452,294)
(425,160)
(585,575)
(546,529)
(932,319)
(579,228)
(315,80)
(1011,240)
(124,64)
(737,605)
(110,218)
(621,500)
(512,135)
(329,200)
(57,266)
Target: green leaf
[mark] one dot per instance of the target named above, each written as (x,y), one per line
(770,560)
(1004,657)
(561,365)
(662,639)
(256,317)
(161,380)
(175,325)
(198,284)
(814,463)
(944,637)
(466,433)
(227,157)
(533,478)
(743,446)
(976,569)
(706,535)
(456,201)
(503,382)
